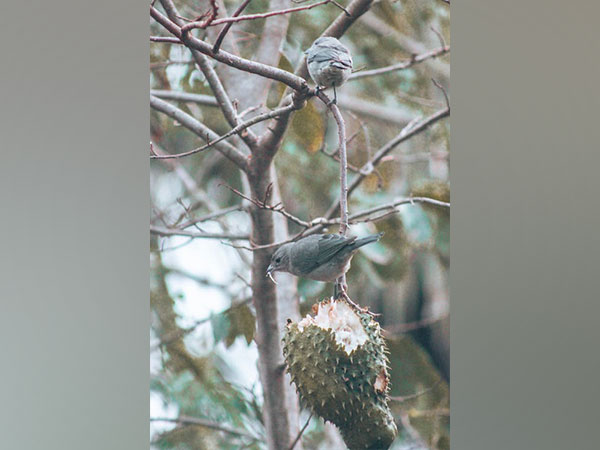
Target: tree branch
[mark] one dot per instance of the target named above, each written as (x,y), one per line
(160,231)
(209,73)
(234,19)
(212,216)
(401,65)
(229,151)
(167,40)
(343,169)
(186,420)
(407,132)
(201,99)
(274,73)
(236,130)
(226,28)
(293,444)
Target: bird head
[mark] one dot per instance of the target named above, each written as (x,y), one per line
(280,261)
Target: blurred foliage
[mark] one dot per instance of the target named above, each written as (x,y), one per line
(197,362)
(427,396)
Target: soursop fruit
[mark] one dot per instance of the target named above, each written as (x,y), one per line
(337,360)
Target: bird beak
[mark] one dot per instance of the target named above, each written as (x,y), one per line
(270,273)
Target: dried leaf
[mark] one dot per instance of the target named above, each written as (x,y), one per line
(308,128)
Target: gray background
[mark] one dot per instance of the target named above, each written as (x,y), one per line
(75,209)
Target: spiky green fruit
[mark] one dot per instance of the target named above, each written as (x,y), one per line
(338,362)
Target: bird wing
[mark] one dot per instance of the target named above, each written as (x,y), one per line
(324,248)
(326,52)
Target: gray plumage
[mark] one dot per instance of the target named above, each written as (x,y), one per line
(321,257)
(329,62)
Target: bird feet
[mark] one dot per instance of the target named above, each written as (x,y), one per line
(340,293)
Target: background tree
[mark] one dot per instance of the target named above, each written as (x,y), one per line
(245,157)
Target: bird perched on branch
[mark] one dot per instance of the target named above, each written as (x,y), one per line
(329,63)
(321,257)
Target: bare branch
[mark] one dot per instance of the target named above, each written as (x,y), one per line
(226,28)
(234,19)
(295,82)
(390,114)
(403,398)
(409,131)
(317,224)
(166,40)
(236,130)
(160,231)
(401,65)
(293,444)
(201,99)
(163,64)
(187,420)
(212,216)
(443,92)
(343,169)
(211,76)
(233,154)
(401,328)
(275,208)
(394,205)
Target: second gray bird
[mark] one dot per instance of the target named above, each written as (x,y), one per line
(321,257)
(329,63)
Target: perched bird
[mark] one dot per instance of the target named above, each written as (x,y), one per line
(321,257)
(329,63)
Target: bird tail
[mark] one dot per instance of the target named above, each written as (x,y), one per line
(367,240)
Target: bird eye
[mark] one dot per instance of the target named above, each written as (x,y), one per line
(277,260)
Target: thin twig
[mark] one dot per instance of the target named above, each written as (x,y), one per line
(229,151)
(402,201)
(166,40)
(226,28)
(212,216)
(439,86)
(343,169)
(232,19)
(236,130)
(160,231)
(439,35)
(295,82)
(411,326)
(300,432)
(186,420)
(163,64)
(201,99)
(403,398)
(407,132)
(317,224)
(401,65)
(275,208)
(223,100)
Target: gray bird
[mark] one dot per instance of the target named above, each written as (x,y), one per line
(321,257)
(329,63)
